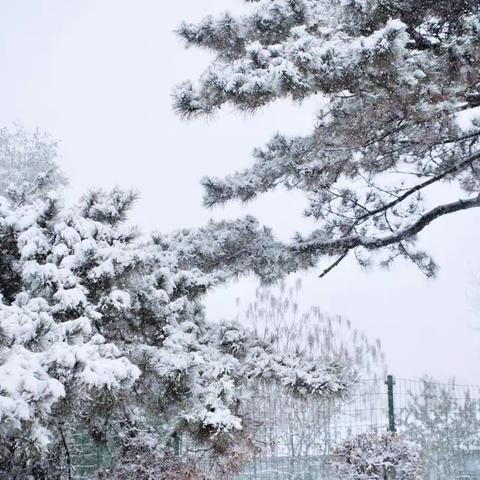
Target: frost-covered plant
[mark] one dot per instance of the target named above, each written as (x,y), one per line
(444,421)
(28,162)
(399,89)
(141,457)
(102,332)
(375,456)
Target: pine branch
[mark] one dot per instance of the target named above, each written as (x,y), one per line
(458,167)
(314,245)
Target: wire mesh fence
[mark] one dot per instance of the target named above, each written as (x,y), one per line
(296,437)
(87,456)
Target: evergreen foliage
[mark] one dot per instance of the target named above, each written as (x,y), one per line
(102,330)
(399,88)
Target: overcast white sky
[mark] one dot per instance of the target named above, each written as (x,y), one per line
(97,75)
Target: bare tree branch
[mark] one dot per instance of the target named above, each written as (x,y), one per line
(334,264)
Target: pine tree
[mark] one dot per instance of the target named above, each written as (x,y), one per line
(399,86)
(103,332)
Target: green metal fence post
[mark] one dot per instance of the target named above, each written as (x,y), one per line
(177,444)
(391,408)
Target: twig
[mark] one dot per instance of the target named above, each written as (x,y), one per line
(334,264)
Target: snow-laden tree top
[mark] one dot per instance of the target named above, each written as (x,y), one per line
(399,83)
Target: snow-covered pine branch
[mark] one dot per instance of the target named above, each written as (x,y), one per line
(400,90)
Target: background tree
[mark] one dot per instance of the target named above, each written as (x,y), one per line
(399,88)
(28,162)
(299,428)
(104,332)
(277,317)
(444,421)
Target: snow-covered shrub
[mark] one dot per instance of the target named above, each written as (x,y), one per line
(141,457)
(375,456)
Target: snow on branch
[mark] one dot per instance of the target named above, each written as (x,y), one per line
(400,87)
